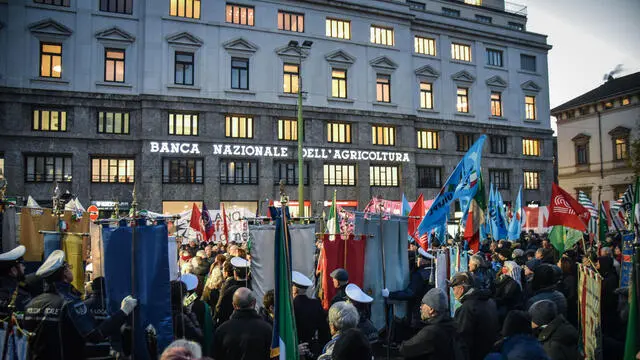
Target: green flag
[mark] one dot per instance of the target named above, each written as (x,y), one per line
(603,227)
(563,238)
(631,343)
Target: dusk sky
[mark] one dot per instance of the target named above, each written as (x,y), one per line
(589,38)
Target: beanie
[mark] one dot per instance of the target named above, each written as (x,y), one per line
(436,299)
(543,312)
(516,322)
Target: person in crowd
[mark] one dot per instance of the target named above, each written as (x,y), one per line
(185,322)
(266,310)
(559,338)
(340,280)
(545,255)
(224,307)
(245,335)
(200,269)
(569,287)
(211,291)
(530,254)
(413,249)
(233,251)
(608,297)
(362,302)
(517,341)
(476,318)
(418,286)
(483,277)
(504,254)
(185,258)
(352,345)
(201,309)
(11,282)
(311,319)
(182,349)
(186,268)
(438,338)
(606,251)
(543,287)
(97,305)
(192,248)
(529,267)
(508,294)
(342,316)
(60,320)
(518,256)
(209,256)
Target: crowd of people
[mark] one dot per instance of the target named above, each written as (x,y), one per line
(518,300)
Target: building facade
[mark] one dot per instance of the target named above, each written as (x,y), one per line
(196,100)
(595,131)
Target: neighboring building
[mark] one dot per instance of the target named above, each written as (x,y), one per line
(595,131)
(196,100)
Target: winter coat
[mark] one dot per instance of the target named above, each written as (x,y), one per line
(418,286)
(519,347)
(483,278)
(550,294)
(608,297)
(436,340)
(508,296)
(185,325)
(560,339)
(570,292)
(224,307)
(244,336)
(477,322)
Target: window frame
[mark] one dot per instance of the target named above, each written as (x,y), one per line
(621,150)
(173,123)
(483,19)
(422,180)
(426,43)
(378,35)
(496,103)
(582,149)
(115,64)
(126,4)
(528,150)
(193,9)
(277,171)
(288,77)
(426,95)
(125,119)
(523,61)
(499,176)
(498,144)
(381,85)
(291,14)
(51,57)
(339,81)
(62,124)
(177,62)
(293,129)
(64,177)
(378,175)
(100,177)
(342,167)
(239,70)
(450,12)
(530,108)
(184,179)
(229,126)
(426,137)
(250,14)
(462,100)
(252,164)
(458,48)
(346,129)
(329,21)
(464,141)
(383,135)
(63,3)
(536,179)
(495,54)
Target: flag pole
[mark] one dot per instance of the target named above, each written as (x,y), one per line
(134,209)
(384,282)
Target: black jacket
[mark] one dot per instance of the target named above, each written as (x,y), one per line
(508,296)
(245,336)
(8,286)
(418,286)
(560,339)
(341,295)
(436,340)
(185,326)
(311,318)
(224,307)
(62,324)
(477,322)
(97,306)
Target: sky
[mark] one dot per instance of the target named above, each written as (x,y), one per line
(589,38)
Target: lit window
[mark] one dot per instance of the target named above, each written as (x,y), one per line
(383,88)
(110,122)
(183,124)
(112,170)
(49,120)
(240,73)
(185,8)
(114,65)
(184,68)
(50,60)
(622,148)
(531,180)
(53,2)
(338,133)
(500,178)
(339,83)
(498,144)
(383,176)
(463,141)
(423,45)
(48,168)
(116,6)
(428,139)
(287,129)
(460,52)
(239,127)
(240,14)
(182,171)
(340,29)
(291,78)
(626,101)
(381,35)
(496,104)
(516,26)
(288,173)
(528,62)
(339,175)
(530,147)
(239,172)
(462,104)
(290,21)
(484,19)
(608,105)
(530,107)
(450,12)
(429,177)
(473,2)
(416,5)
(426,96)
(494,57)
(383,135)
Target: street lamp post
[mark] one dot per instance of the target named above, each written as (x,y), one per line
(299,49)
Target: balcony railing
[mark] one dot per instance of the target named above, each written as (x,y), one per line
(509,7)
(514,8)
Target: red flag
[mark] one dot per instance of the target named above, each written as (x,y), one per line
(415,217)
(566,211)
(472,227)
(225,226)
(194,223)
(334,257)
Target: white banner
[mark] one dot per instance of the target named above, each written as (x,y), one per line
(589,286)
(238,226)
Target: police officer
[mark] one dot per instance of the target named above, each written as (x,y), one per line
(224,307)
(97,306)
(340,280)
(61,322)
(311,320)
(362,302)
(11,278)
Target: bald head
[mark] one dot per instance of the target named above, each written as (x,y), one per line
(243,299)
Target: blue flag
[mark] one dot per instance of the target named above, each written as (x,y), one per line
(498,225)
(406,209)
(462,184)
(515,227)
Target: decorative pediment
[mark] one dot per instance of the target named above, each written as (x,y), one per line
(427,71)
(340,57)
(50,27)
(292,52)
(383,63)
(184,39)
(496,81)
(240,45)
(115,34)
(530,86)
(463,76)
(620,131)
(581,138)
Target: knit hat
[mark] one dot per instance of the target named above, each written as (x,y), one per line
(517,253)
(532,264)
(436,299)
(543,276)
(543,312)
(516,322)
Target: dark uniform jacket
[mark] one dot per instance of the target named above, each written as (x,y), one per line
(560,339)
(436,340)
(8,286)
(341,295)
(62,324)
(311,318)
(477,322)
(97,306)
(244,337)
(224,307)
(418,286)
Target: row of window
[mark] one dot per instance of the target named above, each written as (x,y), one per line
(620,147)
(50,168)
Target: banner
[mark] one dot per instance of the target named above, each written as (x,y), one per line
(10,221)
(589,287)
(627,264)
(238,226)
(18,348)
(96,250)
(72,247)
(458,261)
(442,269)
(343,252)
(51,243)
(390,207)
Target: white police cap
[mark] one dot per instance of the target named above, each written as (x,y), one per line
(14,254)
(54,262)
(190,281)
(239,262)
(300,280)
(356,294)
(425,254)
